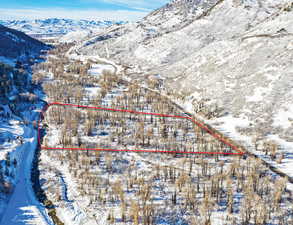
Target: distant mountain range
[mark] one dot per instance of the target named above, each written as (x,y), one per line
(55,26)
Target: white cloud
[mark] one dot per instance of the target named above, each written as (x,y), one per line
(125,15)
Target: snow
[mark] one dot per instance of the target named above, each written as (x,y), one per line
(18,139)
(284,117)
(71,212)
(257,96)
(55,134)
(68,212)
(92,91)
(74,36)
(73,207)
(23,207)
(14,37)
(31,216)
(99,69)
(228,124)
(9,132)
(8,61)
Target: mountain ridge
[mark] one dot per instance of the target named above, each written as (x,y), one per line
(55,25)
(16,45)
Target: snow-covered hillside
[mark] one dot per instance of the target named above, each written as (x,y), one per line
(235,56)
(15,45)
(55,26)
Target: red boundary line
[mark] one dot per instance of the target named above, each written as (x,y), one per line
(197,123)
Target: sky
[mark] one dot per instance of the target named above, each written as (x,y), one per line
(126,10)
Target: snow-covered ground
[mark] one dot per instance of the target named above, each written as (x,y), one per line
(228,125)
(99,69)
(70,212)
(22,206)
(74,36)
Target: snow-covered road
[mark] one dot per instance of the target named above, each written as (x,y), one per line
(23,207)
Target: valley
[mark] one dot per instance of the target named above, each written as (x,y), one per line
(140,188)
(183,117)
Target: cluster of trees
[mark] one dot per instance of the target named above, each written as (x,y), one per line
(5,81)
(127,129)
(106,128)
(269,147)
(144,188)
(10,77)
(142,191)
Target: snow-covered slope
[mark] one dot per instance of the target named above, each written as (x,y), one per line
(54,26)
(75,36)
(236,53)
(17,45)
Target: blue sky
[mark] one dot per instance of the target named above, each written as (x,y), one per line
(78,9)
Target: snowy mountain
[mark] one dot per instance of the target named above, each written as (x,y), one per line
(16,45)
(54,26)
(236,54)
